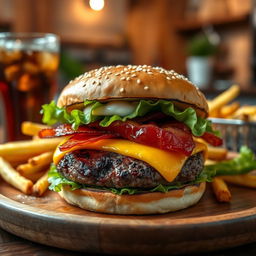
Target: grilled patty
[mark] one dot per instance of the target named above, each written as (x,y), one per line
(101,168)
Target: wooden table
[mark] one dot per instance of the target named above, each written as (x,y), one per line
(13,245)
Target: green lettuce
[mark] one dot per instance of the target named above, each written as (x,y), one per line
(56,181)
(53,114)
(243,163)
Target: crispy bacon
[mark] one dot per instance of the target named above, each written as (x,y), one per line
(172,139)
(66,129)
(79,139)
(208,137)
(174,136)
(176,124)
(212,139)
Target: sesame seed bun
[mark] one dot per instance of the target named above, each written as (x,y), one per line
(140,204)
(126,82)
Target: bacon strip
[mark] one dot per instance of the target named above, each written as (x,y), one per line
(83,139)
(212,139)
(172,138)
(66,129)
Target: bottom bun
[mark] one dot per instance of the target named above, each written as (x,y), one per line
(146,203)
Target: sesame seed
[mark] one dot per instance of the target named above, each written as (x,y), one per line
(128,78)
(122,78)
(146,87)
(133,75)
(168,78)
(138,81)
(121,90)
(109,73)
(150,73)
(117,74)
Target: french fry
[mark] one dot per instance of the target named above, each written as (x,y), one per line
(218,154)
(244,113)
(209,162)
(215,114)
(245,180)
(22,150)
(228,110)
(28,169)
(45,158)
(31,129)
(221,190)
(41,185)
(14,164)
(253,118)
(224,98)
(14,178)
(34,177)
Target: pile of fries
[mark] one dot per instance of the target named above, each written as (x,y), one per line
(24,164)
(220,107)
(224,106)
(219,184)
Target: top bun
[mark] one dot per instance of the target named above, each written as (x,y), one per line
(124,82)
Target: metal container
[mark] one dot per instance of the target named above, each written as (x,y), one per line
(236,133)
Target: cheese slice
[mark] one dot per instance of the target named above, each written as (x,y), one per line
(167,163)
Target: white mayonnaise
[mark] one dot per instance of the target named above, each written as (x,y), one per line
(121,108)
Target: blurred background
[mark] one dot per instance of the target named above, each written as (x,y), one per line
(173,34)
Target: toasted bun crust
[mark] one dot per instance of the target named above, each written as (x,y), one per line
(125,82)
(148,203)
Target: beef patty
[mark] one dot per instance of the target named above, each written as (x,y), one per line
(109,169)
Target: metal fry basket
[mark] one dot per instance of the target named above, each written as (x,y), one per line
(236,133)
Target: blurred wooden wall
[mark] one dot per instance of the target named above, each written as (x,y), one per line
(152,34)
(31,16)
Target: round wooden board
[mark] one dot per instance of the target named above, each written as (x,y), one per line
(206,226)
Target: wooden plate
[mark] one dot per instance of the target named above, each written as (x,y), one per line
(206,226)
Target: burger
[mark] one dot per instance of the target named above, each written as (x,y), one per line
(134,141)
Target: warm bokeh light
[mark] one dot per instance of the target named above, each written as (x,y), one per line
(97,5)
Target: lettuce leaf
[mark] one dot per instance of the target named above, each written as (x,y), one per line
(53,114)
(56,181)
(243,163)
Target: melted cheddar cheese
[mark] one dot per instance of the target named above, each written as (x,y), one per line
(167,163)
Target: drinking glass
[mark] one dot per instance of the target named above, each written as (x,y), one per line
(28,67)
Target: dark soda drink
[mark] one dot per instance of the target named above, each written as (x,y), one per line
(28,66)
